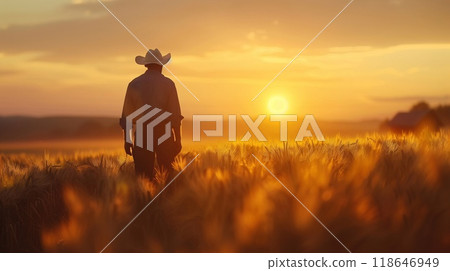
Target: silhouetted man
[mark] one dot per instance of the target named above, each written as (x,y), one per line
(154,89)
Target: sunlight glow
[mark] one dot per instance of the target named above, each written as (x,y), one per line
(277,105)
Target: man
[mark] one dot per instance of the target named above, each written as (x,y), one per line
(154,89)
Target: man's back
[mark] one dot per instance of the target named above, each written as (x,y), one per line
(154,89)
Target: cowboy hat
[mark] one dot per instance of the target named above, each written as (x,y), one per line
(153,57)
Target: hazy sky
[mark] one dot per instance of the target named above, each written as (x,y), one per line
(61,57)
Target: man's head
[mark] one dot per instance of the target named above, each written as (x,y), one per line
(153,57)
(154,67)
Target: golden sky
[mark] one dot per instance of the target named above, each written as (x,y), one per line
(71,57)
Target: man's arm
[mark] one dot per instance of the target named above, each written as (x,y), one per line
(127,109)
(177,132)
(175,109)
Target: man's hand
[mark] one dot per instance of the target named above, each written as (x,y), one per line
(128,148)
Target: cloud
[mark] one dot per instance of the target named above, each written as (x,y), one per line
(202,26)
(226,51)
(5,72)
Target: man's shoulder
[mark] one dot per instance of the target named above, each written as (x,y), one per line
(144,80)
(136,80)
(168,81)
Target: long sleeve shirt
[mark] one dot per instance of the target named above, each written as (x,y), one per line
(156,90)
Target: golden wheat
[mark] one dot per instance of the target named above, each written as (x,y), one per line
(381,193)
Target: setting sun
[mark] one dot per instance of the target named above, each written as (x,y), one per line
(277,105)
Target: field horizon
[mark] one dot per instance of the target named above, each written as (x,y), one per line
(60,129)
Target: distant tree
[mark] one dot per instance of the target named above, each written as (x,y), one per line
(443,112)
(420,106)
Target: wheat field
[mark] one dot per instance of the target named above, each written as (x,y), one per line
(378,193)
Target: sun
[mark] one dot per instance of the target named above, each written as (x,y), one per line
(277,105)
